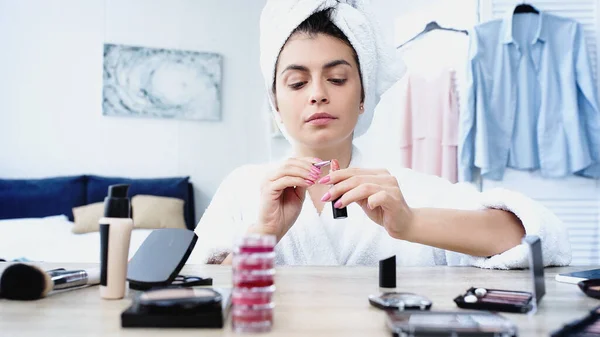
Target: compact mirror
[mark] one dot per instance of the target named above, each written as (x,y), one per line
(400,301)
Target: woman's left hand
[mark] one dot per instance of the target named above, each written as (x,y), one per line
(377,192)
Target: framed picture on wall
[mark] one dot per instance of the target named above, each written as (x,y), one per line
(161,83)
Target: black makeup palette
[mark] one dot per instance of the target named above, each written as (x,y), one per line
(495,300)
(588,326)
(449,323)
(590,287)
(178,308)
(480,298)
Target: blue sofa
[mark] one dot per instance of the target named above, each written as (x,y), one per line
(33,198)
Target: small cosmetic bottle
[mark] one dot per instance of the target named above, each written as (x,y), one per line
(115,235)
(389,298)
(387,275)
(338,213)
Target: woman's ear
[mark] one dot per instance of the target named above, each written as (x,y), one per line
(361,108)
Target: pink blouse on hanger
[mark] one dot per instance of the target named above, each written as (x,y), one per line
(429,124)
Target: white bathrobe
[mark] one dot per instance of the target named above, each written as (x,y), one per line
(318,239)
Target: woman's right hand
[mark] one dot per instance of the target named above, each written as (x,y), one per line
(282,195)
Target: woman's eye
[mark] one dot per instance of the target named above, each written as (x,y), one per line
(296,85)
(338,81)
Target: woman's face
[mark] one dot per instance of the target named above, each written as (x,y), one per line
(318,89)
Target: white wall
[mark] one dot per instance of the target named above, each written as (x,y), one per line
(51,120)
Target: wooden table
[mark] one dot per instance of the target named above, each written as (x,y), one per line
(310,301)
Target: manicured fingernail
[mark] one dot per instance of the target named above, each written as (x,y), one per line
(338,204)
(310,182)
(335,165)
(313,176)
(315,170)
(324,180)
(326,196)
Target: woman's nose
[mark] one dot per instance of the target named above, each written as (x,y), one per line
(318,95)
(314,100)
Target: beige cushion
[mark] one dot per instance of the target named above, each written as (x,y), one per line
(87,218)
(149,211)
(153,212)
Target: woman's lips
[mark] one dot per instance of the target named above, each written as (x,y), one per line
(321,121)
(320,118)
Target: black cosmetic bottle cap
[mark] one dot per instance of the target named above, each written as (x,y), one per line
(339,213)
(116,203)
(387,273)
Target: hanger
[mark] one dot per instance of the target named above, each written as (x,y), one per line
(525,8)
(433,25)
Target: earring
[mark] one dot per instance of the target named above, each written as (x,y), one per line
(362,107)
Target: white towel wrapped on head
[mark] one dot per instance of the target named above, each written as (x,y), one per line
(378,67)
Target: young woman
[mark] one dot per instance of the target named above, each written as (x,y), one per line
(324,83)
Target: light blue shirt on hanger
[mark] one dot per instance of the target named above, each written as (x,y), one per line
(532,103)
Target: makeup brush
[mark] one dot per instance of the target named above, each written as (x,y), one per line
(28,282)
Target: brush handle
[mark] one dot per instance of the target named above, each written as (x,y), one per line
(93,276)
(66,279)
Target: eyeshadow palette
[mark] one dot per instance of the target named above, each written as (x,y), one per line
(588,326)
(495,300)
(509,300)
